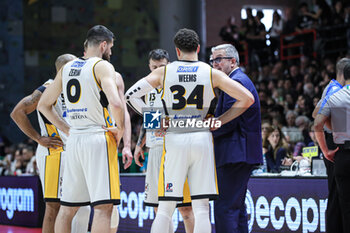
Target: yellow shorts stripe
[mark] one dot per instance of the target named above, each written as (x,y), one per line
(186,193)
(161,185)
(52,132)
(108,119)
(113,166)
(52,175)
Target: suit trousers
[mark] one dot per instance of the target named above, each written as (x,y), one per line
(229,209)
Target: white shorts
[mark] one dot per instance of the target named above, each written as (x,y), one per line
(51,166)
(152,176)
(91,173)
(190,156)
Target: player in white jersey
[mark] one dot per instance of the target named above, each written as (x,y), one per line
(49,154)
(158,58)
(91,94)
(187,91)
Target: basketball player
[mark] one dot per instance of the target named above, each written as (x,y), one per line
(91,94)
(49,154)
(126,152)
(188,91)
(158,58)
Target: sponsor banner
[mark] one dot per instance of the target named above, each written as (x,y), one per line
(21,201)
(273,205)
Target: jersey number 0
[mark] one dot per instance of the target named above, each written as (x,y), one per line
(73,97)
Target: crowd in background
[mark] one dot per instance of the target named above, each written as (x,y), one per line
(288,90)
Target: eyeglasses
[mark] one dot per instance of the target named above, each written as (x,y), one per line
(218,60)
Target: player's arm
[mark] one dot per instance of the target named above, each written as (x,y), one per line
(244,98)
(20,116)
(142,87)
(319,123)
(139,147)
(127,155)
(106,75)
(47,101)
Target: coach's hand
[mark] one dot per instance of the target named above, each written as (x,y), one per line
(137,153)
(50,142)
(127,157)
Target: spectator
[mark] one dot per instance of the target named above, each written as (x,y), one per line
(291,132)
(305,21)
(338,13)
(303,122)
(323,13)
(230,33)
(276,150)
(275,32)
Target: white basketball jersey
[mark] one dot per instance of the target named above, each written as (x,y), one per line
(87,105)
(153,101)
(48,129)
(188,90)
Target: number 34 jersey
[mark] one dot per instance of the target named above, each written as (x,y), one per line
(188,90)
(87,105)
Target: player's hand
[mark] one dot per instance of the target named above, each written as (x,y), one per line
(137,153)
(127,157)
(50,142)
(330,155)
(164,125)
(117,133)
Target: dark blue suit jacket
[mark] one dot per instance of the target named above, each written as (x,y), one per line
(240,139)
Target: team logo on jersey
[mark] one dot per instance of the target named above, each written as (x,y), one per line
(169,187)
(151,120)
(185,69)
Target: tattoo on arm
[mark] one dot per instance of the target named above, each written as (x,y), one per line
(34,98)
(142,134)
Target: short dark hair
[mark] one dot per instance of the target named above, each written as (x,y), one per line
(341,64)
(347,71)
(97,34)
(186,40)
(158,54)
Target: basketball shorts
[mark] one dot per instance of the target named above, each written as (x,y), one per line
(51,166)
(91,174)
(191,156)
(152,177)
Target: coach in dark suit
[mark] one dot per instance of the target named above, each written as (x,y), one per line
(237,145)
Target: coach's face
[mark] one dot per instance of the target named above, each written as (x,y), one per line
(222,62)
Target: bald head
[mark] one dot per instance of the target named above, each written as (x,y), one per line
(63,59)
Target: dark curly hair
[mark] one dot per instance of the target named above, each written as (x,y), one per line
(186,40)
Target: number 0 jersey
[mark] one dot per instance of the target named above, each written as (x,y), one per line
(87,105)
(187,90)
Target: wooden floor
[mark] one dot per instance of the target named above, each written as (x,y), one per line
(13,229)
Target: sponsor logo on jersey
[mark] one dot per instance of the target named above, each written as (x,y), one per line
(78,64)
(185,69)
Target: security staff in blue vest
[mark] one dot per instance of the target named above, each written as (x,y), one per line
(335,115)
(333,213)
(238,147)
